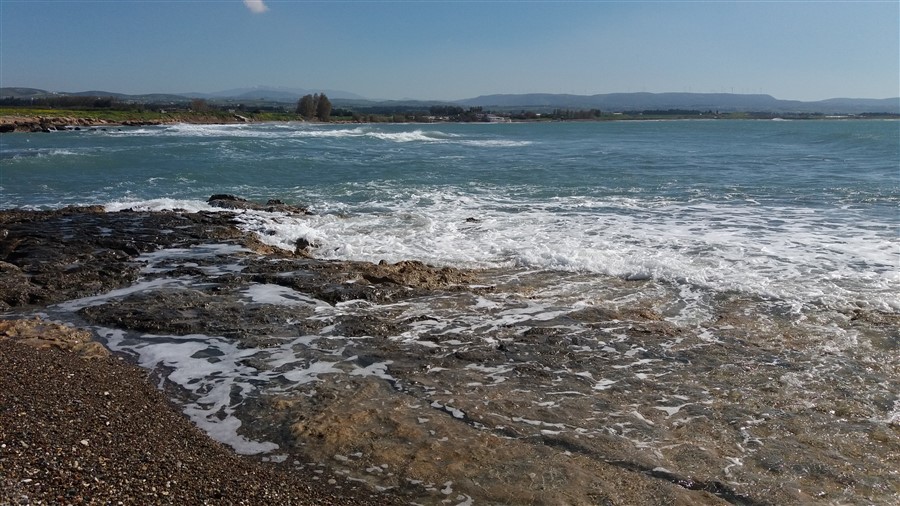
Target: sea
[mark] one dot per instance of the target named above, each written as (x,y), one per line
(780,238)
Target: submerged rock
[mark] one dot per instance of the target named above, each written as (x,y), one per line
(226,201)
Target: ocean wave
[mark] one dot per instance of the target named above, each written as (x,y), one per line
(495,143)
(24,154)
(713,247)
(159,204)
(311,131)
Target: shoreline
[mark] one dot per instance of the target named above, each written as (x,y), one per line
(82,424)
(34,124)
(79,424)
(91,428)
(362,421)
(349,368)
(26,123)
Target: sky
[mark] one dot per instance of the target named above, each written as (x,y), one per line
(450,50)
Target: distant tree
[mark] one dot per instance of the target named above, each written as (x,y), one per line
(306,107)
(445,110)
(323,108)
(198,105)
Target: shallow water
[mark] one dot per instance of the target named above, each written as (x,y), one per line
(522,367)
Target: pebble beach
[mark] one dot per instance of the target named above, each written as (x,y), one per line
(89,428)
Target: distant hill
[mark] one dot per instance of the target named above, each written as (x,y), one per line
(537,102)
(264,94)
(723,102)
(22,92)
(26,93)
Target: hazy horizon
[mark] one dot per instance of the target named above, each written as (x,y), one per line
(341,94)
(452,50)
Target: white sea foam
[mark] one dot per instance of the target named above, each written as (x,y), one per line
(281,131)
(799,260)
(159,204)
(213,410)
(141,286)
(216,374)
(280,295)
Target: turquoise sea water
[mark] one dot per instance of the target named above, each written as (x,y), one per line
(804,211)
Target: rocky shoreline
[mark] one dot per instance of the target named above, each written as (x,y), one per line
(80,426)
(434,384)
(64,123)
(90,428)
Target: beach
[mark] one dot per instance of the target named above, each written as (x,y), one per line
(94,430)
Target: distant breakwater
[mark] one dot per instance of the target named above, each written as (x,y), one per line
(62,123)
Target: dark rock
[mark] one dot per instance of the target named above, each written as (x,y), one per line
(195,311)
(303,246)
(368,326)
(51,256)
(226,201)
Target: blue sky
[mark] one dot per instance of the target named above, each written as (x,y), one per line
(450,50)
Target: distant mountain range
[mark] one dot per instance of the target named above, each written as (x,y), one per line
(723,102)
(610,102)
(256,93)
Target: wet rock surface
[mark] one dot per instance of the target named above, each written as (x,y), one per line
(51,256)
(447,386)
(226,201)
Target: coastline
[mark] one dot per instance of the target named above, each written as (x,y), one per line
(92,429)
(33,123)
(81,425)
(41,123)
(135,459)
(348,367)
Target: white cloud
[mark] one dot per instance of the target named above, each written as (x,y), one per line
(256,6)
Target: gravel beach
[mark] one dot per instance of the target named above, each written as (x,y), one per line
(79,430)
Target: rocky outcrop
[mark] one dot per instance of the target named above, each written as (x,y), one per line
(237,203)
(52,256)
(41,334)
(26,123)
(62,123)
